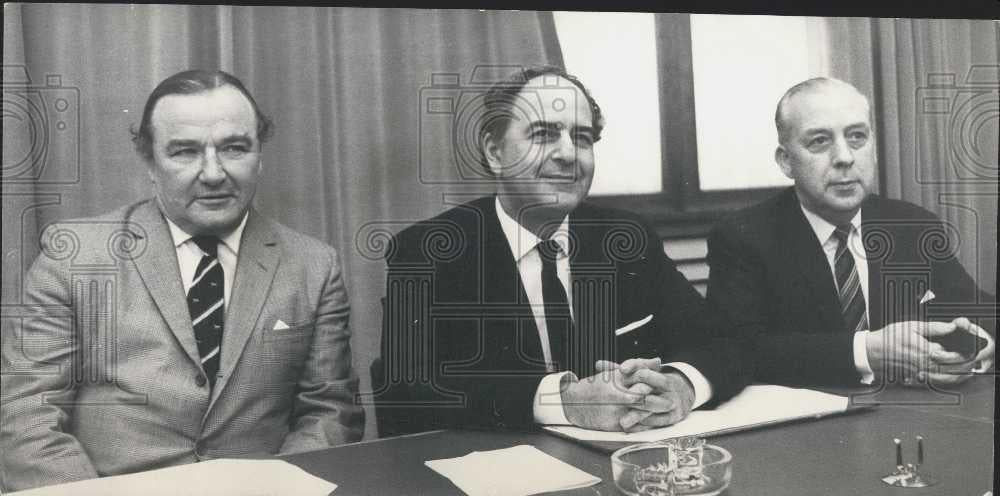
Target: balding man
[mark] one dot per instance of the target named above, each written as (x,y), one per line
(183,327)
(829,284)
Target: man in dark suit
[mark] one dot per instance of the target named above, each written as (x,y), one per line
(181,328)
(829,284)
(497,308)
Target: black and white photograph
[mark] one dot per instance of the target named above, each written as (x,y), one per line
(315,250)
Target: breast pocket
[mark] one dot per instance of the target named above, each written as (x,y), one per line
(291,332)
(282,353)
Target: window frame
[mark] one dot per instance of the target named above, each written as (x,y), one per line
(681,208)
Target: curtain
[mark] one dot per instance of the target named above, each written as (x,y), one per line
(355,153)
(935,84)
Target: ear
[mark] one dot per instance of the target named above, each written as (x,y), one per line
(491,150)
(782,159)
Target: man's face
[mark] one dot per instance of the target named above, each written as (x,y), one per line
(206,159)
(830,152)
(546,155)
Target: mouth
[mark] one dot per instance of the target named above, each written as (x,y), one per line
(844,184)
(559,176)
(214,199)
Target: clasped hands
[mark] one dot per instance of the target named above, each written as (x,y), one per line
(632,396)
(905,350)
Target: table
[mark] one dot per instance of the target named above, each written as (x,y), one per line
(845,454)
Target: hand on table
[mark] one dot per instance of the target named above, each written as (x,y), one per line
(669,400)
(952,372)
(600,401)
(904,348)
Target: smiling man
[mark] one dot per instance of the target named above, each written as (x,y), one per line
(828,283)
(532,306)
(181,328)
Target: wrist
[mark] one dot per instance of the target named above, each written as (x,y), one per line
(569,392)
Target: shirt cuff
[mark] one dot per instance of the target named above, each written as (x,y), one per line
(547,406)
(861,358)
(702,388)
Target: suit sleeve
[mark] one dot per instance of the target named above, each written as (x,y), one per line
(954,287)
(443,373)
(41,357)
(325,413)
(691,336)
(738,294)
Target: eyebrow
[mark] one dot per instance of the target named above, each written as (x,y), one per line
(181,143)
(557,126)
(241,138)
(820,130)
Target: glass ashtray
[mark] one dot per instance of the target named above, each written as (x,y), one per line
(685,466)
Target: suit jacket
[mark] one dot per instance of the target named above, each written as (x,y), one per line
(102,375)
(771,281)
(460,347)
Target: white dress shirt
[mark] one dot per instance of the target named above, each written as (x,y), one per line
(188,255)
(523,244)
(824,233)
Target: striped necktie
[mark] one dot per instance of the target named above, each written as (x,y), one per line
(852,300)
(206,304)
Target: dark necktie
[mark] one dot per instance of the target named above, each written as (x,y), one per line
(206,304)
(852,300)
(557,315)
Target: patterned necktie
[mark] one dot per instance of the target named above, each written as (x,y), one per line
(852,300)
(557,315)
(206,304)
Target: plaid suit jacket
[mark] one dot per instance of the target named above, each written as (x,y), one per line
(101,373)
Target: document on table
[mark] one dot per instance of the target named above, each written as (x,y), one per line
(755,406)
(516,471)
(220,477)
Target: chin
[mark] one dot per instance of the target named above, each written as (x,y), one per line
(218,225)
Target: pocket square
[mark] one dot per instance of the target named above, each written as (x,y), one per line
(280,324)
(928,296)
(634,325)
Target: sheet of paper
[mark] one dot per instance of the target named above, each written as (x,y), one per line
(517,471)
(220,477)
(760,404)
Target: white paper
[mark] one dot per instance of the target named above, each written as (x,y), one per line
(755,405)
(221,477)
(517,471)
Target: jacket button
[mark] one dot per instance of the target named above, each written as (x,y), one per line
(200,380)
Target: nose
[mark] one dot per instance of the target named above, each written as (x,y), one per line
(564,149)
(843,154)
(212,171)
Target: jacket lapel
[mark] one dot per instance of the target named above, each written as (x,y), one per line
(160,272)
(814,271)
(256,266)
(871,223)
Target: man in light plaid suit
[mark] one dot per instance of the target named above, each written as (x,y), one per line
(181,328)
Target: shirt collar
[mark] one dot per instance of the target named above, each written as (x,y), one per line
(823,228)
(521,240)
(231,239)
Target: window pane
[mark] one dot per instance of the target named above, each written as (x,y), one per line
(742,65)
(614,54)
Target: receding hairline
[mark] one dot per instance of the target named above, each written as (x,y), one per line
(226,86)
(539,82)
(808,87)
